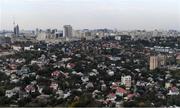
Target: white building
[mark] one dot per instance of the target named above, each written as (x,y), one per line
(41,36)
(16,48)
(126,80)
(117,37)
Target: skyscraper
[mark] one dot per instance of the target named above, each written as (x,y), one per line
(153,62)
(16,30)
(67,31)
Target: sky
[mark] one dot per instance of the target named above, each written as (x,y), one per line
(90,14)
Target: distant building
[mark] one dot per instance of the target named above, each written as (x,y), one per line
(48,31)
(162,60)
(16,30)
(58,35)
(153,62)
(41,36)
(126,80)
(87,33)
(54,31)
(157,61)
(68,31)
(47,36)
(37,31)
(163,49)
(78,33)
(123,37)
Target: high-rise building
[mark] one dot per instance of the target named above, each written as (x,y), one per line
(153,62)
(16,30)
(68,31)
(37,31)
(157,61)
(161,60)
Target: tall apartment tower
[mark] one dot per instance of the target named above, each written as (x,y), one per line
(68,31)
(157,61)
(153,62)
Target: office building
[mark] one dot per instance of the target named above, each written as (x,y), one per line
(67,31)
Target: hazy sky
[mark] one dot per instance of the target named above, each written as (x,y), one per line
(120,14)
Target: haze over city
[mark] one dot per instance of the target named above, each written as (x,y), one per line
(91,14)
(90,53)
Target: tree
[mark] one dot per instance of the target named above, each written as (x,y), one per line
(47,91)
(83,101)
(2,91)
(5,101)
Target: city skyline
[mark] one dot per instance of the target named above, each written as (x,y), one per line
(119,14)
